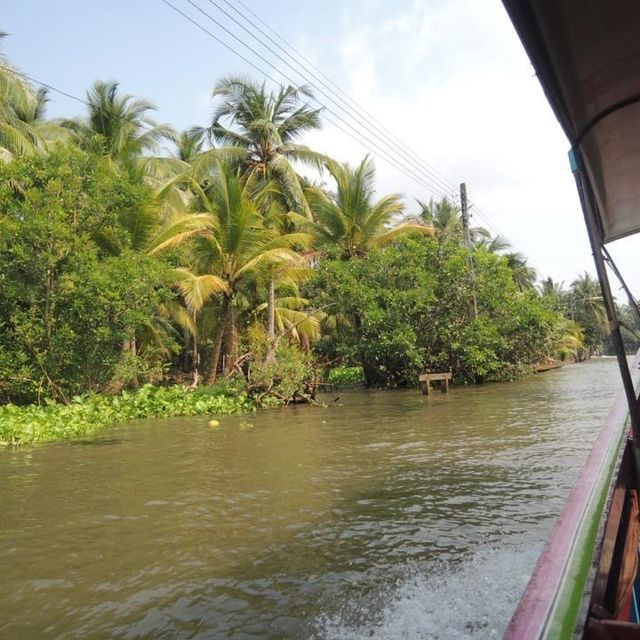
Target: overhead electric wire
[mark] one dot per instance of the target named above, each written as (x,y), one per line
(143,125)
(449,186)
(437,183)
(343,105)
(428,167)
(380,151)
(425,181)
(483,216)
(389,159)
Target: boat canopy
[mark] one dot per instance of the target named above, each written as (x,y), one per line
(587,57)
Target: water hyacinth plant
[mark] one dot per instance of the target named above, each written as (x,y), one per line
(52,421)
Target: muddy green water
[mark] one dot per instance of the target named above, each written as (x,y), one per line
(384,515)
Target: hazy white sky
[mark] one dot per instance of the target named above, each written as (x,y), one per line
(449,77)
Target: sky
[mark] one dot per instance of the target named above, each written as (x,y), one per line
(449,78)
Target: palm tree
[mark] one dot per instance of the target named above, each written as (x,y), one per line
(190,145)
(586,296)
(484,240)
(119,127)
(587,308)
(350,219)
(267,126)
(240,250)
(555,293)
(444,216)
(523,275)
(23,128)
(16,97)
(570,341)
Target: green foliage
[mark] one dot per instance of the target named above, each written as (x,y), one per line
(343,376)
(379,302)
(407,308)
(119,267)
(281,380)
(587,309)
(630,329)
(65,308)
(349,218)
(83,415)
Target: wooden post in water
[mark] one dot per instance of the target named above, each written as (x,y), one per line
(426,379)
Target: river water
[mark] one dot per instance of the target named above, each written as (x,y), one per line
(384,514)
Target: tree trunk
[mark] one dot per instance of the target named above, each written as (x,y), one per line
(271,323)
(217,344)
(232,341)
(271,311)
(196,353)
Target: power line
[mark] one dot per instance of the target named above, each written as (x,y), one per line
(420,165)
(86,103)
(434,175)
(371,142)
(483,217)
(390,160)
(382,152)
(428,167)
(44,84)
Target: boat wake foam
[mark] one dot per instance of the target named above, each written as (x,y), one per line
(441,601)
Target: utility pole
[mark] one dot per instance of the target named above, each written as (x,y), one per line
(464,214)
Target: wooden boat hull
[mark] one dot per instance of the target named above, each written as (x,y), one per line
(548,366)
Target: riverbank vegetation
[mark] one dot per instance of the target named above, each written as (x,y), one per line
(134,255)
(55,421)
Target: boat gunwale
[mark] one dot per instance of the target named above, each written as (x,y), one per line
(555,599)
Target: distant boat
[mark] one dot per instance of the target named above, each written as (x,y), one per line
(586,54)
(547,366)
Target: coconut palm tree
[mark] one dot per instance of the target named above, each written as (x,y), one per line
(350,219)
(444,216)
(523,275)
(587,308)
(16,97)
(555,293)
(119,127)
(240,250)
(23,127)
(267,127)
(570,342)
(484,240)
(586,296)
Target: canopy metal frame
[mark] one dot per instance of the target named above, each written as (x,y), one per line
(601,257)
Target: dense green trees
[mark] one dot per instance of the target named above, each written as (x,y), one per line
(124,262)
(65,305)
(583,308)
(407,308)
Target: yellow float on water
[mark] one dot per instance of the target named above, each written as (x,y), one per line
(214,423)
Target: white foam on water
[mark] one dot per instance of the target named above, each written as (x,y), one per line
(474,600)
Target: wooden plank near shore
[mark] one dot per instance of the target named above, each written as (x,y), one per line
(426,379)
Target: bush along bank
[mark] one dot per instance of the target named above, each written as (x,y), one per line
(83,415)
